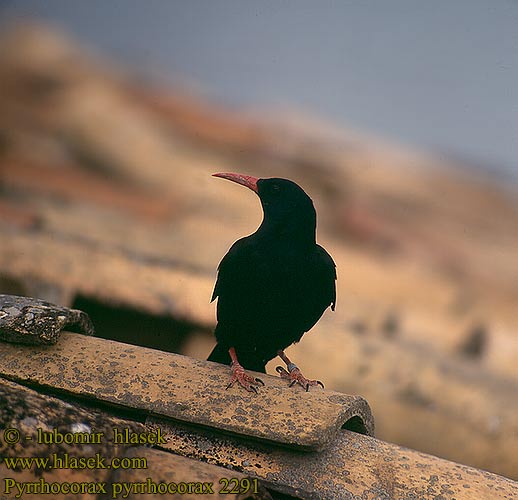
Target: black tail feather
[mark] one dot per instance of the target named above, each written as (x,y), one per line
(247,360)
(219,355)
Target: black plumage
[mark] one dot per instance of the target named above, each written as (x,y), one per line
(273,285)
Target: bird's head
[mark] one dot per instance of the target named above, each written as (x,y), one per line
(285,204)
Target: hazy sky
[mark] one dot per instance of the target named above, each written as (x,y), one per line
(439,74)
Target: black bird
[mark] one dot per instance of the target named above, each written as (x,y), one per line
(273,285)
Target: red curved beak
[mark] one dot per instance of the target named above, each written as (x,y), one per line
(245,180)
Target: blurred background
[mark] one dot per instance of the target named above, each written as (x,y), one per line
(399,119)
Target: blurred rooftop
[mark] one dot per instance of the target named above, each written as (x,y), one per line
(107,205)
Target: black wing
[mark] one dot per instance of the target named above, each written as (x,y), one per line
(328,272)
(268,299)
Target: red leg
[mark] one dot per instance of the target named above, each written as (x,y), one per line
(238,374)
(294,374)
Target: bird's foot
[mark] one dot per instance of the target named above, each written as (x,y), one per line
(238,374)
(294,375)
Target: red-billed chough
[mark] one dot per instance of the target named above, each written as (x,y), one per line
(273,285)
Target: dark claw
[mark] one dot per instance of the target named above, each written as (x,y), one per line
(238,374)
(297,378)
